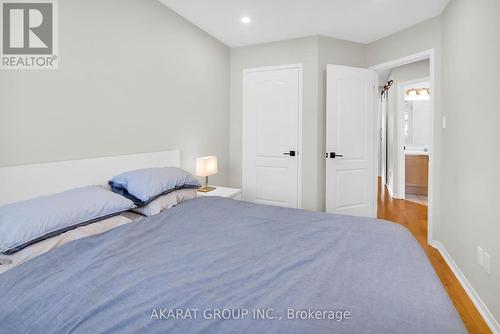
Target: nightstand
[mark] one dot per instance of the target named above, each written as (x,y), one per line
(233,193)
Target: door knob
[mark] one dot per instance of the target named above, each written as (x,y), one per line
(291,153)
(334,155)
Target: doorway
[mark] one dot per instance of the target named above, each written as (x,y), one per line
(415,139)
(393,148)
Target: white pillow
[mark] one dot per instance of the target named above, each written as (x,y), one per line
(167,201)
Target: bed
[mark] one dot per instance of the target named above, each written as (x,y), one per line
(215,265)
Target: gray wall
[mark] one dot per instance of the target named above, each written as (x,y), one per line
(133,77)
(420,37)
(314,53)
(467,44)
(302,50)
(470,181)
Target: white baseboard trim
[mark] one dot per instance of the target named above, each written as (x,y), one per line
(392,193)
(481,307)
(389,189)
(397,196)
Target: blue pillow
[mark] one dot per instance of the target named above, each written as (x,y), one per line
(145,185)
(27,222)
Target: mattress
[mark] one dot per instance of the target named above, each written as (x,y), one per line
(215,265)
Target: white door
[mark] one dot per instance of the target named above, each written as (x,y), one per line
(272,105)
(351,141)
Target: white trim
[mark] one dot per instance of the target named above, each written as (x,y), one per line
(299,138)
(383,148)
(431,55)
(401,168)
(376,153)
(404,60)
(23,182)
(299,67)
(389,189)
(473,295)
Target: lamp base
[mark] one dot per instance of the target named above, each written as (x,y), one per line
(205,189)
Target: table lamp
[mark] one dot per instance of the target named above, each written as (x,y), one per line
(206,166)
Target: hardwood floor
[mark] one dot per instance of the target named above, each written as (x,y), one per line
(414,217)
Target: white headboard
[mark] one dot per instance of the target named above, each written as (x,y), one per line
(28,181)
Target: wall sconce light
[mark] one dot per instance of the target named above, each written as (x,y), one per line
(417,94)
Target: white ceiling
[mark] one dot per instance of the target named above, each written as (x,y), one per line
(362,21)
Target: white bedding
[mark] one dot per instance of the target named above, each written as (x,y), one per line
(165,202)
(10,261)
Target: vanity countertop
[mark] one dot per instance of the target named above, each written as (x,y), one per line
(416,151)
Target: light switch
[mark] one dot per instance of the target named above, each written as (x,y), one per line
(486,262)
(480,255)
(444,122)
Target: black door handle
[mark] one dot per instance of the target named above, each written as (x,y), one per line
(291,153)
(334,155)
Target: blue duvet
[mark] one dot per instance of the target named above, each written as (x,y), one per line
(214,265)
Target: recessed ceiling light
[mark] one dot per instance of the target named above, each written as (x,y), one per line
(246,20)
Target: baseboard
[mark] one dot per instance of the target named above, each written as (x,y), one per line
(389,189)
(481,307)
(392,194)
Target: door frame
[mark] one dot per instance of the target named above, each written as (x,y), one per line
(383,136)
(299,67)
(431,55)
(401,166)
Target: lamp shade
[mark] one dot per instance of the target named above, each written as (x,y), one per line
(206,166)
